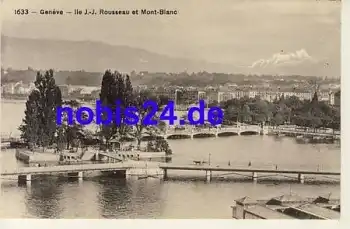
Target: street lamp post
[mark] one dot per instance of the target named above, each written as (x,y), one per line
(209,158)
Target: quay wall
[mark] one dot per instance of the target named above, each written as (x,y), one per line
(35,157)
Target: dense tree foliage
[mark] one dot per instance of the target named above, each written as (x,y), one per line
(289,110)
(159,145)
(39,124)
(139,129)
(113,90)
(71,135)
(118,87)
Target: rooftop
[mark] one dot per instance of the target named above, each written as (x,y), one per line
(246,200)
(267,213)
(319,211)
(290,206)
(290,198)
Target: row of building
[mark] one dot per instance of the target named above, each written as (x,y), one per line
(190,95)
(185,95)
(20,88)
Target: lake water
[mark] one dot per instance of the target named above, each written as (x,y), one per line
(103,197)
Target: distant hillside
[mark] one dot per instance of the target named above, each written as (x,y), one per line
(20,53)
(91,56)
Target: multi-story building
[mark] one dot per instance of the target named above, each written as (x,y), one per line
(187,96)
(225,96)
(167,92)
(212,96)
(240,94)
(202,95)
(323,96)
(8,88)
(252,93)
(301,94)
(266,95)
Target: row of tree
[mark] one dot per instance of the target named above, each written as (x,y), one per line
(291,110)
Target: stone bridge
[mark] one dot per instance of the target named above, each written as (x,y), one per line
(191,132)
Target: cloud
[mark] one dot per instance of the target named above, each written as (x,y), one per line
(143,61)
(284,59)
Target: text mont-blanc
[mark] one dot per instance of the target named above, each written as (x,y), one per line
(158,12)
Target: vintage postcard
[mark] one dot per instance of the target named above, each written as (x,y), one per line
(207,109)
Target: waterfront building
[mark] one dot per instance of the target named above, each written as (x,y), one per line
(287,207)
(8,88)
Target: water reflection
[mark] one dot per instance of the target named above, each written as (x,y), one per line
(137,199)
(114,198)
(42,199)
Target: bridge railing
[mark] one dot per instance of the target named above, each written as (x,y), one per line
(193,130)
(251,127)
(228,129)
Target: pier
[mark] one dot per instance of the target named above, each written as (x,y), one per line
(26,173)
(254,172)
(128,166)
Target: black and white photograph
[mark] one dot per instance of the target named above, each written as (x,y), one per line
(153,109)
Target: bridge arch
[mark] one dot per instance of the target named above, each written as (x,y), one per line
(227,133)
(204,135)
(250,132)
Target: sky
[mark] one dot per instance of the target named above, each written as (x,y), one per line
(248,33)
